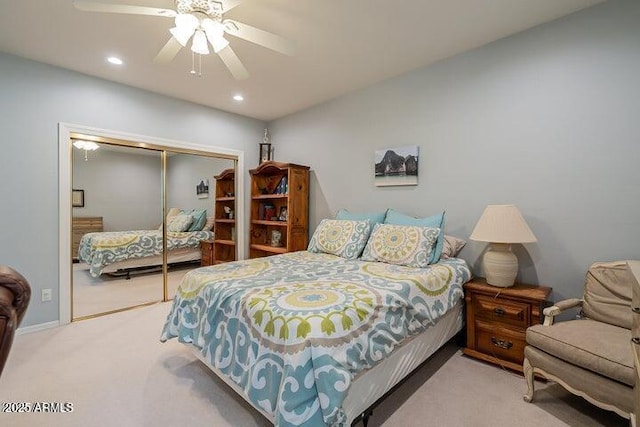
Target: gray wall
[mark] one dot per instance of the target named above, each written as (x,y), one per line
(34,98)
(124,187)
(184,171)
(546,120)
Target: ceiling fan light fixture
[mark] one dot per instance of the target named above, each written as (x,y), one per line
(187,21)
(215,34)
(181,36)
(199,44)
(219,44)
(186,25)
(85,145)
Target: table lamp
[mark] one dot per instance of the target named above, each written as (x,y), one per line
(501,225)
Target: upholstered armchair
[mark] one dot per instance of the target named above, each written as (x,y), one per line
(15,294)
(590,356)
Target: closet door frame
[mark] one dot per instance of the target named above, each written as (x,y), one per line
(69,131)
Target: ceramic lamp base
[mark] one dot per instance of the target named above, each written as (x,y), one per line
(500,265)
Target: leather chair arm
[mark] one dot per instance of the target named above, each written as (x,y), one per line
(559,307)
(15,294)
(19,287)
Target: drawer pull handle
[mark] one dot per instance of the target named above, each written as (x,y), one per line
(636,309)
(636,340)
(501,343)
(498,311)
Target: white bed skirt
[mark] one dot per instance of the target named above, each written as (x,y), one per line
(372,384)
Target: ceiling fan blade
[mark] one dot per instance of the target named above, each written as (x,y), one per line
(259,37)
(90,6)
(168,52)
(233,63)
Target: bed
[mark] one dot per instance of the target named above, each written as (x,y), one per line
(111,251)
(312,339)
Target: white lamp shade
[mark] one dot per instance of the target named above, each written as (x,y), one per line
(502,224)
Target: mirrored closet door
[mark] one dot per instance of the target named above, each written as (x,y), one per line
(191,190)
(142,218)
(117,239)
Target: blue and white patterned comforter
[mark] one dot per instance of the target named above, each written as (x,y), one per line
(101,249)
(294,330)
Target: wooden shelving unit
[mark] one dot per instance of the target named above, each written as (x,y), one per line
(224,244)
(280,204)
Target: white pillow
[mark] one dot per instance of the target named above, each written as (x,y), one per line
(452,246)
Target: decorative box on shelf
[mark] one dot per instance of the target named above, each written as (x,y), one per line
(497,319)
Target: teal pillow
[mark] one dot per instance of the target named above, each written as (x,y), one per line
(437,221)
(199,219)
(374,217)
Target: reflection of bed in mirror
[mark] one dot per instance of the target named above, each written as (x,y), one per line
(123,251)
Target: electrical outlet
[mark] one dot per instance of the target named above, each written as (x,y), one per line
(46,295)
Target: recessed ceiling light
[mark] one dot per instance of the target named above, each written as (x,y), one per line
(238,97)
(115,60)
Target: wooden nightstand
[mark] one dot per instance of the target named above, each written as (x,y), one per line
(497,319)
(206,250)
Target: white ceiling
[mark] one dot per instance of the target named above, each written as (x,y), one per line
(342,45)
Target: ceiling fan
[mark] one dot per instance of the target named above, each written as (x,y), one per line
(202,22)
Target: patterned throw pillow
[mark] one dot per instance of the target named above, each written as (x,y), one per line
(401,244)
(179,223)
(172,212)
(397,218)
(343,238)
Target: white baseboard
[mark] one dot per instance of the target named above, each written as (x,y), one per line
(38,327)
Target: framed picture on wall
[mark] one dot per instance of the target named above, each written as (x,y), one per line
(77,198)
(396,166)
(202,189)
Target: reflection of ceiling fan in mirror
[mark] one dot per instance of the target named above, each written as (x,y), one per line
(202,22)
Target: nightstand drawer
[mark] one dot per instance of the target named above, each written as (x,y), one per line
(502,311)
(501,342)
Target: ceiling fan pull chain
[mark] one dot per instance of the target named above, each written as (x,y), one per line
(193,67)
(199,65)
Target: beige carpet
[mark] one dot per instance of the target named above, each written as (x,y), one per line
(106,293)
(116,373)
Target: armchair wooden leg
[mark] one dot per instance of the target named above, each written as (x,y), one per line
(528,375)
